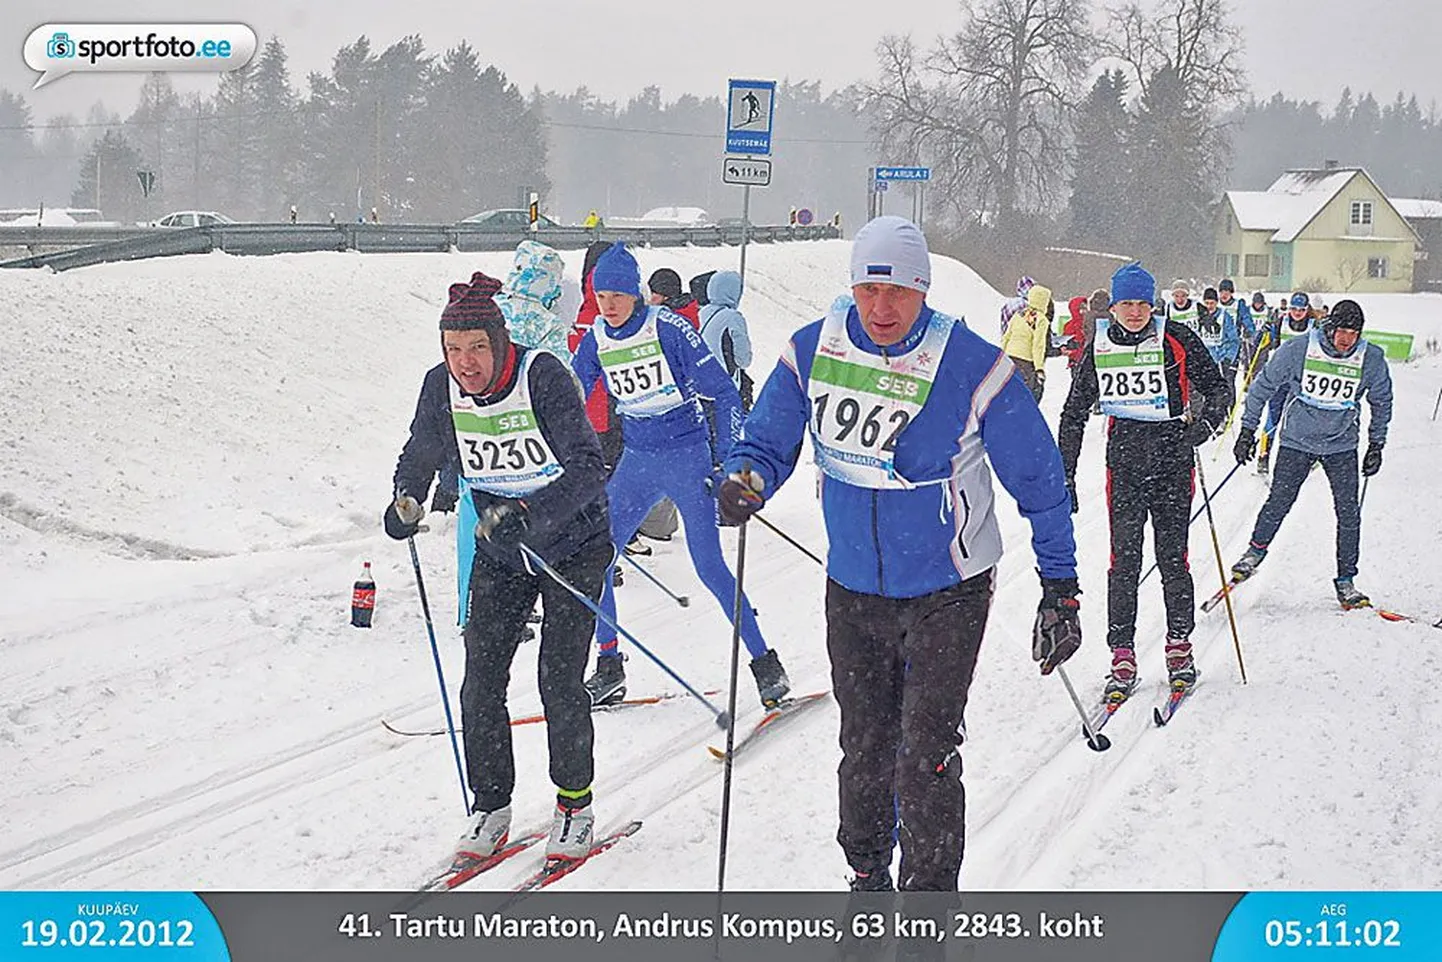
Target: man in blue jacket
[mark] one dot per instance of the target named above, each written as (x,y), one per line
(652,361)
(1328,372)
(1239,331)
(905,406)
(532,474)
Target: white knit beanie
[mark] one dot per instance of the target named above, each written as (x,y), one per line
(891,250)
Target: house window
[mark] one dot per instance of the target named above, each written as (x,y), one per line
(1279,266)
(1361,213)
(1233,262)
(1377,268)
(1258,265)
(1221,264)
(1229,223)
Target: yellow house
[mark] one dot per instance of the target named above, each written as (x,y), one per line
(1319,230)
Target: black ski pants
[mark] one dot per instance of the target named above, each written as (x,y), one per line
(1289,469)
(900,670)
(501,599)
(1158,487)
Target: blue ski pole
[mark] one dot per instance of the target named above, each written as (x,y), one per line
(440,675)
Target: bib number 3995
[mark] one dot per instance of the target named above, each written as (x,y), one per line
(1331,387)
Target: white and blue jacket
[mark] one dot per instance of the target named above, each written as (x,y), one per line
(905,543)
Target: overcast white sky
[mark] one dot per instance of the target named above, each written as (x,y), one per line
(692,47)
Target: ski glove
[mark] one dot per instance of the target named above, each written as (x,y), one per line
(1057,634)
(739,497)
(403,517)
(1372,460)
(1246,445)
(503,523)
(1198,432)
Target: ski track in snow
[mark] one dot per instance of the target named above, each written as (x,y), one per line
(187,707)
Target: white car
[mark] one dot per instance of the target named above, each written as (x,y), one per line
(192,218)
(681,216)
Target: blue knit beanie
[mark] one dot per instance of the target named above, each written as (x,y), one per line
(617,270)
(1133,283)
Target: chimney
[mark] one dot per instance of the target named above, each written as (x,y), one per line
(1329,164)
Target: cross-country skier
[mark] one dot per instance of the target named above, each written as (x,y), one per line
(905,407)
(1328,372)
(1295,323)
(531,473)
(1238,330)
(657,368)
(1147,372)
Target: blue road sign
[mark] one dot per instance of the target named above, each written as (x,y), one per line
(750,105)
(903,173)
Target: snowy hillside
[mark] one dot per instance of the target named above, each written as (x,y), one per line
(193,460)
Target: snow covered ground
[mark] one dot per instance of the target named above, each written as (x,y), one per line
(193,460)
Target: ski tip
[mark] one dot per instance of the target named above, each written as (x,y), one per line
(1158,718)
(716,753)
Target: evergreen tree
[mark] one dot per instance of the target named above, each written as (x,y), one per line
(1103,170)
(18,155)
(280,139)
(108,181)
(1170,193)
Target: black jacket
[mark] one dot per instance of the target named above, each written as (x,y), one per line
(561,517)
(1137,445)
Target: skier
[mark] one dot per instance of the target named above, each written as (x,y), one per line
(1028,333)
(1328,372)
(1145,370)
(723,328)
(905,406)
(532,474)
(665,287)
(658,370)
(1295,323)
(1238,330)
(1023,286)
(529,298)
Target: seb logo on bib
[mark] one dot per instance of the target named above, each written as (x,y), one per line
(898,386)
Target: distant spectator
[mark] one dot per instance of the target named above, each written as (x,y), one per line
(1074,337)
(723,328)
(1027,334)
(698,287)
(1017,303)
(665,288)
(592,221)
(293,213)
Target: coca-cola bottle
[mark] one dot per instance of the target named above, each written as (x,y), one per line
(363,598)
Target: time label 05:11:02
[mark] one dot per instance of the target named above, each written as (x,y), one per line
(1339,934)
(93,933)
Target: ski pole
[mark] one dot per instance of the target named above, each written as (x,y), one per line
(1096,741)
(790,540)
(1362,500)
(736,609)
(1195,515)
(1438,404)
(683,600)
(721,717)
(1221,567)
(440,675)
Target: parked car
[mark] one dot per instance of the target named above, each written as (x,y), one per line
(192,218)
(680,216)
(511,218)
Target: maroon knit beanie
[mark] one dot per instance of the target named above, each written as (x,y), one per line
(471,307)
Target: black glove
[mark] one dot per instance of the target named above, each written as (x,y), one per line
(1057,633)
(403,517)
(739,497)
(1071,491)
(1372,460)
(1246,445)
(1198,432)
(503,523)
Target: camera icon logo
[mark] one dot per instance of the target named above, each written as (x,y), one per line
(60,45)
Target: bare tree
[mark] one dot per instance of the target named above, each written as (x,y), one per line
(986,106)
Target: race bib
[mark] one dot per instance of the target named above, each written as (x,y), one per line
(1331,383)
(861,402)
(1132,380)
(503,451)
(637,374)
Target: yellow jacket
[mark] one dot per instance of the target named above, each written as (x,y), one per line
(1028,332)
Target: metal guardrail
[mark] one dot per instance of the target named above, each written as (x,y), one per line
(90,245)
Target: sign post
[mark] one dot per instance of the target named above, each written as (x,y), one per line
(750,106)
(918,176)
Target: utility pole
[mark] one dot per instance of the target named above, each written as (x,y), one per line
(195,184)
(376,197)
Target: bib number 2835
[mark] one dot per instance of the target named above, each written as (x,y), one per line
(1131,383)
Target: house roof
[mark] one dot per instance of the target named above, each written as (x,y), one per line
(1289,205)
(1413,209)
